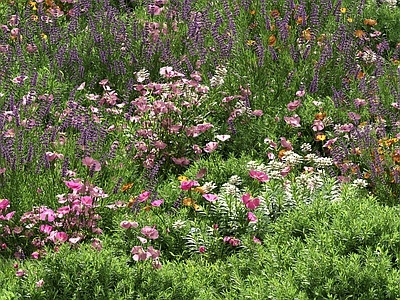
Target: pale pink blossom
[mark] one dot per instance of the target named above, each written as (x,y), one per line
(157,203)
(293,105)
(251,217)
(317,125)
(211,147)
(210,197)
(293,121)
(260,176)
(150,232)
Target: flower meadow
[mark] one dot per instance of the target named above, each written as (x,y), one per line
(232,149)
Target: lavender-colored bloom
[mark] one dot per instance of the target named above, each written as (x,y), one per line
(118,185)
(314,84)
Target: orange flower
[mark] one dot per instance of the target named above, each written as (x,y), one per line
(320,116)
(126,187)
(370,22)
(281,153)
(272,40)
(359,33)
(299,20)
(188,202)
(307,34)
(360,75)
(275,13)
(199,189)
(396,156)
(253,12)
(253,25)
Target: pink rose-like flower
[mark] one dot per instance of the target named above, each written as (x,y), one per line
(251,217)
(150,232)
(293,105)
(187,185)
(293,121)
(251,203)
(260,176)
(210,197)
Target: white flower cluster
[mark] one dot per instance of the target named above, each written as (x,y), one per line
(306,147)
(291,158)
(218,78)
(178,224)
(235,180)
(208,187)
(311,181)
(230,189)
(360,183)
(142,75)
(391,3)
(322,162)
(369,56)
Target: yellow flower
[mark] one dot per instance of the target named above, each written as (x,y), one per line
(188,201)
(251,43)
(33,5)
(272,40)
(253,12)
(350,20)
(320,137)
(183,178)
(343,10)
(196,207)
(34,18)
(370,22)
(44,36)
(131,202)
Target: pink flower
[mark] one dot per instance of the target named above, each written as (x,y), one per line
(45,228)
(97,244)
(223,137)
(139,254)
(317,125)
(61,236)
(210,197)
(156,264)
(157,202)
(231,240)
(87,201)
(300,93)
(202,249)
(150,232)
(20,273)
(4,203)
(329,143)
(293,121)
(35,255)
(91,163)
(142,239)
(257,113)
(293,105)
(286,144)
(260,176)
(187,185)
(256,240)
(75,186)
(153,253)
(211,147)
(285,171)
(251,217)
(143,197)
(128,224)
(39,283)
(8,216)
(64,210)
(182,161)
(48,214)
(251,203)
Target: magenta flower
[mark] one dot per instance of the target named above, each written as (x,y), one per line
(251,217)
(143,197)
(256,240)
(87,201)
(35,255)
(293,105)
(293,121)
(202,249)
(91,163)
(75,186)
(39,283)
(20,273)
(4,203)
(285,171)
(47,213)
(150,232)
(187,185)
(157,202)
(8,216)
(251,203)
(181,161)
(45,228)
(210,197)
(60,236)
(329,143)
(260,176)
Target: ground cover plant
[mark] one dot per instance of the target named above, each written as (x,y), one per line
(199,149)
